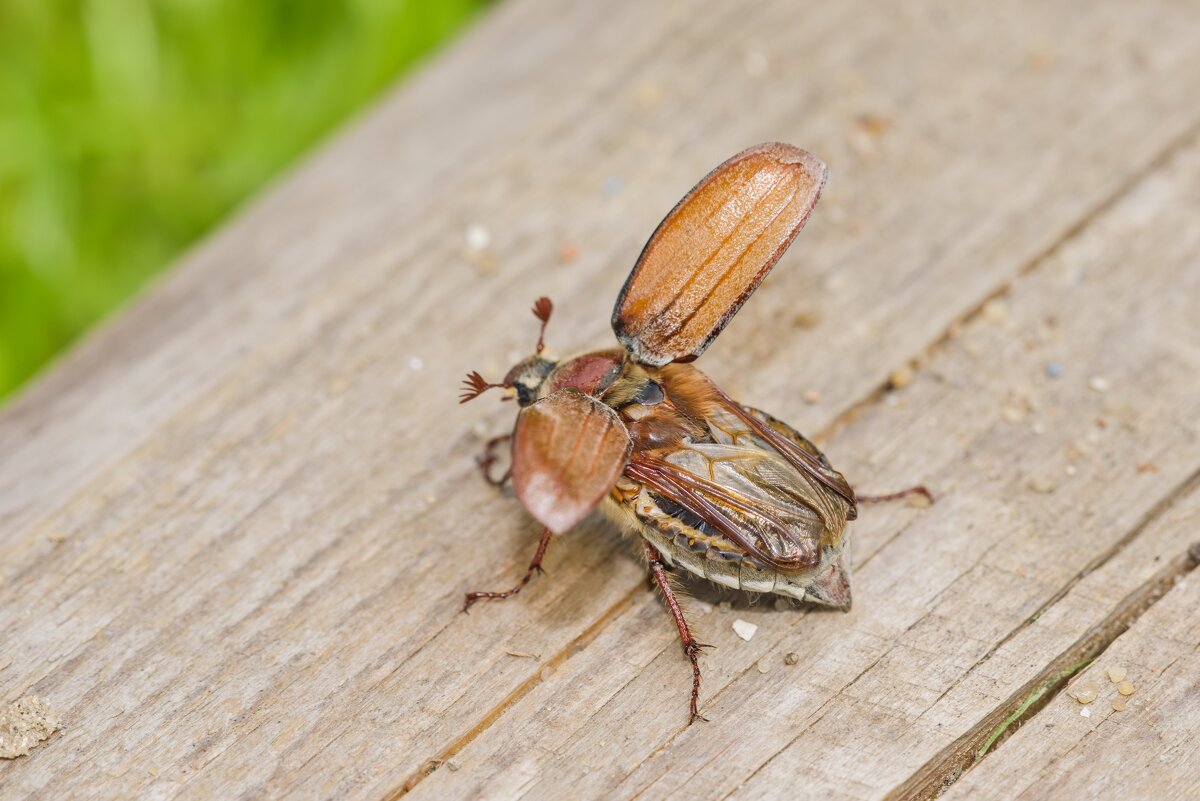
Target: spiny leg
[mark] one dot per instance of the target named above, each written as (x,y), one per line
(895,496)
(488,458)
(690,647)
(534,566)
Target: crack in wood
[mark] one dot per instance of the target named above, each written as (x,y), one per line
(523,689)
(1151,515)
(939,773)
(1191,483)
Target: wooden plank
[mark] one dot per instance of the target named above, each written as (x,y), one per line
(940,634)
(1147,749)
(235,524)
(1108,600)
(1074,125)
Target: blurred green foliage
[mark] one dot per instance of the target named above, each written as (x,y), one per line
(130,127)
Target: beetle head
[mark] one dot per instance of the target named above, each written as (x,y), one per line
(527,376)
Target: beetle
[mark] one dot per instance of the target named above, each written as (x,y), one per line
(716,488)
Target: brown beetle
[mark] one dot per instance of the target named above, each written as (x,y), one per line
(722,490)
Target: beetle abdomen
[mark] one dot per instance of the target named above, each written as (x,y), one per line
(702,553)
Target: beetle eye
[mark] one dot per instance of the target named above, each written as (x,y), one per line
(650,394)
(524,395)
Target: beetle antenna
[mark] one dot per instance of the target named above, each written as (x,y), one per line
(474,386)
(542,307)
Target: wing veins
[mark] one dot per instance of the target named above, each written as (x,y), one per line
(805,463)
(690,491)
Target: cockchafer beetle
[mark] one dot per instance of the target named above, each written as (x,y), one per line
(724,491)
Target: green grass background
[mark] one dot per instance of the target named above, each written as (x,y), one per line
(128,128)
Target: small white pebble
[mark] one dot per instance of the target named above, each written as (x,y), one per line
(416,363)
(725,606)
(478,237)
(1070,470)
(744,629)
(1098,384)
(1086,712)
(1084,693)
(764,666)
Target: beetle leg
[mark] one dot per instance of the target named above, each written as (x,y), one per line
(488,458)
(893,496)
(534,567)
(690,647)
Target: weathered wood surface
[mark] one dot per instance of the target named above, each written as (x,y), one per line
(1151,749)
(235,524)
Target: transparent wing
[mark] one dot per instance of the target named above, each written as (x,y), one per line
(568,450)
(713,250)
(739,472)
(745,494)
(797,451)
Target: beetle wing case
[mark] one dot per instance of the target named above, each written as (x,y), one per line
(568,449)
(713,250)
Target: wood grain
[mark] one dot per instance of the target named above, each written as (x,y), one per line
(236,522)
(944,597)
(1148,749)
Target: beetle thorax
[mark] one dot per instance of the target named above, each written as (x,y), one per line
(590,373)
